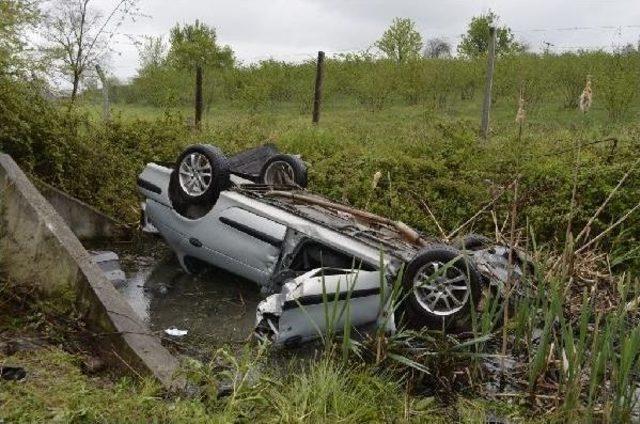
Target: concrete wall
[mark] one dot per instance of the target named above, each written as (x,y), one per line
(38,249)
(85,221)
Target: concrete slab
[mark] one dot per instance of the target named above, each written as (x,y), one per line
(37,249)
(85,221)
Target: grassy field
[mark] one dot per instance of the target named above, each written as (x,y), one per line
(574,340)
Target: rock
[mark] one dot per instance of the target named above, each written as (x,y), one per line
(225,389)
(109,263)
(13,373)
(192,391)
(20,344)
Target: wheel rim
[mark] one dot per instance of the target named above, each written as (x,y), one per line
(441,290)
(195,173)
(279,172)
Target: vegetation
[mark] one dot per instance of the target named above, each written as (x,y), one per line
(16,16)
(475,42)
(412,125)
(437,48)
(251,386)
(401,42)
(326,391)
(195,45)
(78,37)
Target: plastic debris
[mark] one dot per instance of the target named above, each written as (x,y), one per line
(175,332)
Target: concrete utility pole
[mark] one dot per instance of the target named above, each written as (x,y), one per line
(491,64)
(317,95)
(106,107)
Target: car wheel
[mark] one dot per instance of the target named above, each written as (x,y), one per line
(441,285)
(472,242)
(198,177)
(283,170)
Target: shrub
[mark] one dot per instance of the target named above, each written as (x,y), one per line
(618,85)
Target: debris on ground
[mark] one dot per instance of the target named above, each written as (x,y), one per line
(176,332)
(12,373)
(109,263)
(92,365)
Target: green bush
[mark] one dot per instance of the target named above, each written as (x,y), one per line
(619,84)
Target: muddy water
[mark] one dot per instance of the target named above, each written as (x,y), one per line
(215,307)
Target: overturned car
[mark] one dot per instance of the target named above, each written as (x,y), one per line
(251,215)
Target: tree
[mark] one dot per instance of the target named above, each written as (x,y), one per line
(152,52)
(194,47)
(401,42)
(475,42)
(629,48)
(79,36)
(437,48)
(15,16)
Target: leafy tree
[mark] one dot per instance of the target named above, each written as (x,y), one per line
(78,36)
(196,45)
(152,53)
(401,42)
(475,42)
(437,48)
(15,16)
(193,47)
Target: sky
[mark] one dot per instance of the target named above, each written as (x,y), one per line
(294,30)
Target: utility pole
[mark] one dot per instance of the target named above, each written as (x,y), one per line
(491,64)
(317,95)
(198,105)
(106,107)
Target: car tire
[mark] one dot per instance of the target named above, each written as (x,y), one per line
(473,242)
(282,170)
(199,175)
(436,304)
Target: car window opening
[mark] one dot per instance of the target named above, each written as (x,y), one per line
(312,255)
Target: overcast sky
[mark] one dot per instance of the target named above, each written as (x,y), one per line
(294,30)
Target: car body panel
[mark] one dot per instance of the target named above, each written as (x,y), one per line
(324,299)
(216,240)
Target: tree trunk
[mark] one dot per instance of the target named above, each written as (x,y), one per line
(76,85)
(198,105)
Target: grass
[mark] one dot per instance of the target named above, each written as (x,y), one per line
(56,390)
(326,388)
(578,344)
(423,154)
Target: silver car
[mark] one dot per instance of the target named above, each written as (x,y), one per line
(251,214)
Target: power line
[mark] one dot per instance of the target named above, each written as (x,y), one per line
(580,28)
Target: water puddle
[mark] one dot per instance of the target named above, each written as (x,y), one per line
(215,307)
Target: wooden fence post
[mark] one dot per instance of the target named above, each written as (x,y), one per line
(198,97)
(491,64)
(317,95)
(106,107)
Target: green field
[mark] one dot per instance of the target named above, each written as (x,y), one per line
(575,340)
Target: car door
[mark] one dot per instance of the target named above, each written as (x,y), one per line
(239,240)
